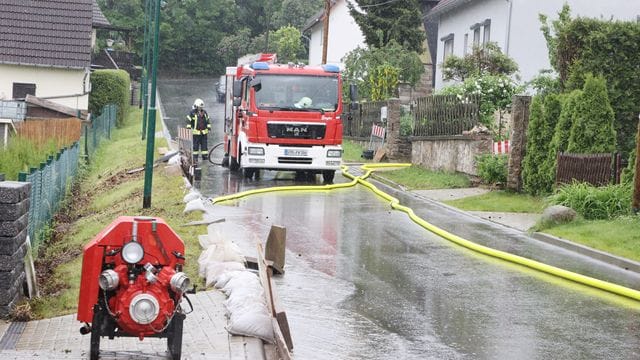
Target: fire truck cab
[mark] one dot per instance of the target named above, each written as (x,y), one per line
(283,117)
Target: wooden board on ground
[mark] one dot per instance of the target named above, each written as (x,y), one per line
(276,246)
(281,331)
(204,222)
(379,154)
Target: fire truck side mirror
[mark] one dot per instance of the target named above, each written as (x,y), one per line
(256,84)
(237,89)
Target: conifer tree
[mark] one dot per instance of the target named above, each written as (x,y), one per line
(592,131)
(381,22)
(535,179)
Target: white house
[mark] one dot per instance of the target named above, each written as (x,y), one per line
(45,50)
(344,34)
(513,25)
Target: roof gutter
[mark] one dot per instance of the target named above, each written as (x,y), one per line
(508,35)
(439,9)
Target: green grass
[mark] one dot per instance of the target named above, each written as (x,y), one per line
(620,236)
(111,193)
(21,154)
(352,152)
(419,178)
(502,201)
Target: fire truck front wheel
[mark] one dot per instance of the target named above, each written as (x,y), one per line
(234,164)
(328,175)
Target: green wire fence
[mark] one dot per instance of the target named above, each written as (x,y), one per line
(52,179)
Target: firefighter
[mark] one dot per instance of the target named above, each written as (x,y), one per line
(198,120)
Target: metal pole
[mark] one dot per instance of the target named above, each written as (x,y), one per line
(151,129)
(635,201)
(144,51)
(147,49)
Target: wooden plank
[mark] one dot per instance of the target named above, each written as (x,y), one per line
(276,246)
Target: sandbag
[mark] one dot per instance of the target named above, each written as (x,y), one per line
(194,205)
(216,268)
(253,323)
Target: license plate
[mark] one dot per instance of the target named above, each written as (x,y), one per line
(295,152)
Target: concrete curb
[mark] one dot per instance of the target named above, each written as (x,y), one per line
(605,257)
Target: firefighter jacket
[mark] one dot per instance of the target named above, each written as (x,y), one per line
(199,123)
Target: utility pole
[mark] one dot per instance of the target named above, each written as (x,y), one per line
(325,30)
(151,127)
(635,204)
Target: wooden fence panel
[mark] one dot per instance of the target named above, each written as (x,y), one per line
(360,122)
(595,169)
(438,115)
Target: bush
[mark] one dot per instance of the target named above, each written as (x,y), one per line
(110,87)
(592,131)
(21,154)
(406,124)
(535,180)
(595,203)
(492,169)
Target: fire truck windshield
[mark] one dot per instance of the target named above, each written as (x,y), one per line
(297,93)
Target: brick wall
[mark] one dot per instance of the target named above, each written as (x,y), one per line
(14,208)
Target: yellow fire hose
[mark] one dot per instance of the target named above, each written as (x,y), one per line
(395,204)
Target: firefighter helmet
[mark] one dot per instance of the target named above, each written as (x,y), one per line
(305,102)
(198,104)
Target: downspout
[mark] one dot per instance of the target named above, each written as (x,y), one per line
(508,35)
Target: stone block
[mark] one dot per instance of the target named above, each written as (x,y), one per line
(10,262)
(8,277)
(6,310)
(13,211)
(8,294)
(14,227)
(14,191)
(9,245)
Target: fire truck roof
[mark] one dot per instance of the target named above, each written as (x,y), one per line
(263,67)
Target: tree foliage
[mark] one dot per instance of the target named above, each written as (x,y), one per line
(384,22)
(287,44)
(482,60)
(592,131)
(539,131)
(360,63)
(203,36)
(384,82)
(609,48)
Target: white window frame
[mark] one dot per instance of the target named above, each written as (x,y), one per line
(447,46)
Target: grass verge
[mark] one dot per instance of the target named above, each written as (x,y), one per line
(501,201)
(419,178)
(103,192)
(620,236)
(352,152)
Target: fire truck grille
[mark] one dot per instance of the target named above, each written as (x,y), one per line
(296,131)
(294,160)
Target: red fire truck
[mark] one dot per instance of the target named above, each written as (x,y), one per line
(283,117)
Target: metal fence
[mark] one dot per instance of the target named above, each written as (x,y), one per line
(438,115)
(49,184)
(595,169)
(99,129)
(358,123)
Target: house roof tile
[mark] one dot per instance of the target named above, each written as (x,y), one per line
(53,33)
(99,20)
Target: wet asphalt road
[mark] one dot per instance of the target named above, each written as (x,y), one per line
(364,282)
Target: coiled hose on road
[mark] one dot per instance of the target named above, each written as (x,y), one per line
(395,204)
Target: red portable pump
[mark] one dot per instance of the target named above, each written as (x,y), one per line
(132,283)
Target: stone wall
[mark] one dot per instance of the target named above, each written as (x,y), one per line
(450,153)
(14,213)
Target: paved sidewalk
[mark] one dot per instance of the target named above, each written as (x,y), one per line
(204,337)
(519,221)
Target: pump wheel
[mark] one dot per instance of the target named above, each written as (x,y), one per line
(96,328)
(328,175)
(248,172)
(174,336)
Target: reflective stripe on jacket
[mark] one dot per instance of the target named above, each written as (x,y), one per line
(200,124)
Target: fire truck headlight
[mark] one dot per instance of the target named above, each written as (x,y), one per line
(334,153)
(144,308)
(132,252)
(179,282)
(255,151)
(108,280)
